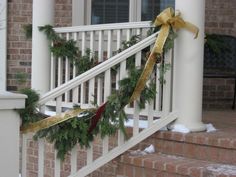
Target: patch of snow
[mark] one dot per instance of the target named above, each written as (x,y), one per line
(137,153)
(164,128)
(210,128)
(222,169)
(50,113)
(180,128)
(150,149)
(142,123)
(82,114)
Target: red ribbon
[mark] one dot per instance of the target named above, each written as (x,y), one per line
(96,117)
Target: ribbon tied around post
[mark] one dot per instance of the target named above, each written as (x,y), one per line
(166,19)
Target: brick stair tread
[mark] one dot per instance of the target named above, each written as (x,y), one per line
(219,138)
(179,165)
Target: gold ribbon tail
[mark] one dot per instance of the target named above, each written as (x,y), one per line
(151,61)
(51,121)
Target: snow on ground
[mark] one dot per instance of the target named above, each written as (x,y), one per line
(210,128)
(180,128)
(142,123)
(222,169)
(148,150)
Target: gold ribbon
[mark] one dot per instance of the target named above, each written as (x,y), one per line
(165,19)
(51,121)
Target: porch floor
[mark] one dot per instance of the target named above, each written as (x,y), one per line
(221,120)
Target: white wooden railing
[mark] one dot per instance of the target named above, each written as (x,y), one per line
(103,40)
(96,84)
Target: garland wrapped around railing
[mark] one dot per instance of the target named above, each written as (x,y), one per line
(131,88)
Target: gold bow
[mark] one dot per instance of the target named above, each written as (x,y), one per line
(165,19)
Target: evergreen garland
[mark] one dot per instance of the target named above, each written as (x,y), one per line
(61,47)
(30,113)
(67,134)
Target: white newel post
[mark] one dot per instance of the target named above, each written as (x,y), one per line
(10,132)
(43,14)
(188,66)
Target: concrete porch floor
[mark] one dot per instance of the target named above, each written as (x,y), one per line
(221,120)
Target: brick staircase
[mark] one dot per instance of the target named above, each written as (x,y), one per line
(194,154)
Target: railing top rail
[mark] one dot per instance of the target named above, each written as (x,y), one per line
(111,26)
(98,69)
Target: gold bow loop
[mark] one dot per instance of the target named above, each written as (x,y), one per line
(167,19)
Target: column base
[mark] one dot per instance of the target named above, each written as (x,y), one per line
(193,127)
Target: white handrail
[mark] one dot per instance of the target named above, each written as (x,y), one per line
(112,26)
(97,69)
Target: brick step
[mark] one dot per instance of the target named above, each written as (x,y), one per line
(162,165)
(219,146)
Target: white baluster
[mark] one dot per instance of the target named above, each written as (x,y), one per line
(75,36)
(118,43)
(136,118)
(128,34)
(52,71)
(57,165)
(59,71)
(118,39)
(100,59)
(136,107)
(24,155)
(75,96)
(158,89)
(109,44)
(91,91)
(100,46)
(107,84)
(105,145)
(67,71)
(83,43)
(40,158)
(138,59)
(90,154)
(107,92)
(75,91)
(82,95)
(167,86)
(91,43)
(58,105)
(73,160)
(138,32)
(150,113)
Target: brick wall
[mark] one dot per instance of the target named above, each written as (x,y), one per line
(18,47)
(218,93)
(220,19)
(108,170)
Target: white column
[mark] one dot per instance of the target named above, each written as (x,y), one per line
(43,14)
(9,132)
(3,44)
(188,66)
